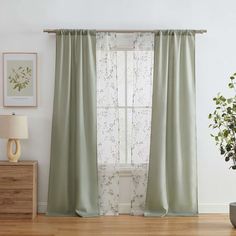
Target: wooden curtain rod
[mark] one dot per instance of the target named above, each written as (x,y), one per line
(201,31)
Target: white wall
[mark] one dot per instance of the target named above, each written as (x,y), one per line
(21,25)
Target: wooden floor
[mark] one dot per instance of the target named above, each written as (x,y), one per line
(210,224)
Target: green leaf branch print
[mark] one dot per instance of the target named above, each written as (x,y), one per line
(20,77)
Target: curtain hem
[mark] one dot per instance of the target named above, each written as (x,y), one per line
(156,214)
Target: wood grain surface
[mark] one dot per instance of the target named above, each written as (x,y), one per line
(202,225)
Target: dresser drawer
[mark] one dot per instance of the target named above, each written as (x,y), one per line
(16,177)
(18,189)
(16,201)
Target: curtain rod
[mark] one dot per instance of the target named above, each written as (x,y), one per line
(201,31)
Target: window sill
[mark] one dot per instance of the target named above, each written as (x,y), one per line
(125,171)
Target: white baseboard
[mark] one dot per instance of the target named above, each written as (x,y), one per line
(213,208)
(124,208)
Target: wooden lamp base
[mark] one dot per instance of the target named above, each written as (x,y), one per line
(13,156)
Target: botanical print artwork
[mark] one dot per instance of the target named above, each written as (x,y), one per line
(20,79)
(19,75)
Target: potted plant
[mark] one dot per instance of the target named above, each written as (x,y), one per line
(223,124)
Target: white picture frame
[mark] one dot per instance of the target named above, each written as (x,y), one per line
(20,79)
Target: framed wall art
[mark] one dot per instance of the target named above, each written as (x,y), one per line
(20,79)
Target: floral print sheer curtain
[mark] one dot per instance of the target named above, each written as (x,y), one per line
(124,96)
(107,124)
(141,75)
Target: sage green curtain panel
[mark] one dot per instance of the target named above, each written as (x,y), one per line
(172,180)
(73,185)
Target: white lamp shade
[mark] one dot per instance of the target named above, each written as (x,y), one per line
(13,126)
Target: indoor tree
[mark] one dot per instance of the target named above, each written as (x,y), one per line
(223,123)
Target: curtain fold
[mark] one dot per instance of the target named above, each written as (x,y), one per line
(73,180)
(172,179)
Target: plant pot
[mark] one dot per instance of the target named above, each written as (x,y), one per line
(232,213)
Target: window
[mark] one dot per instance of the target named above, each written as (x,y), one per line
(124,101)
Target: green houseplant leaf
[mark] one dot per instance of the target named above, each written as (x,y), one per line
(223,124)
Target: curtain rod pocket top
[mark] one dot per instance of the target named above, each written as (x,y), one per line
(163,32)
(74,32)
(175,32)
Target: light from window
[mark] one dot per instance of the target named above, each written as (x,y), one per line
(132,84)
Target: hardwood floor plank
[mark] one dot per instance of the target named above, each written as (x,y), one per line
(202,225)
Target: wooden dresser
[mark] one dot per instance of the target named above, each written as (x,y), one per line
(18,189)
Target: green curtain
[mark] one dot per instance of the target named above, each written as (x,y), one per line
(73,185)
(172,180)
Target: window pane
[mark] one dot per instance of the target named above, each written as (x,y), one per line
(108,135)
(129,135)
(107,92)
(139,129)
(122,136)
(121,73)
(130,78)
(140,76)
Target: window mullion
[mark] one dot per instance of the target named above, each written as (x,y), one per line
(126,112)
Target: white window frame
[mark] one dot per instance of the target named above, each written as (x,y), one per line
(126,167)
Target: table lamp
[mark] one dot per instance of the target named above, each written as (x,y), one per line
(13,127)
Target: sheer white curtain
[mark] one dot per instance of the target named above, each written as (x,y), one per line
(124,95)
(142,77)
